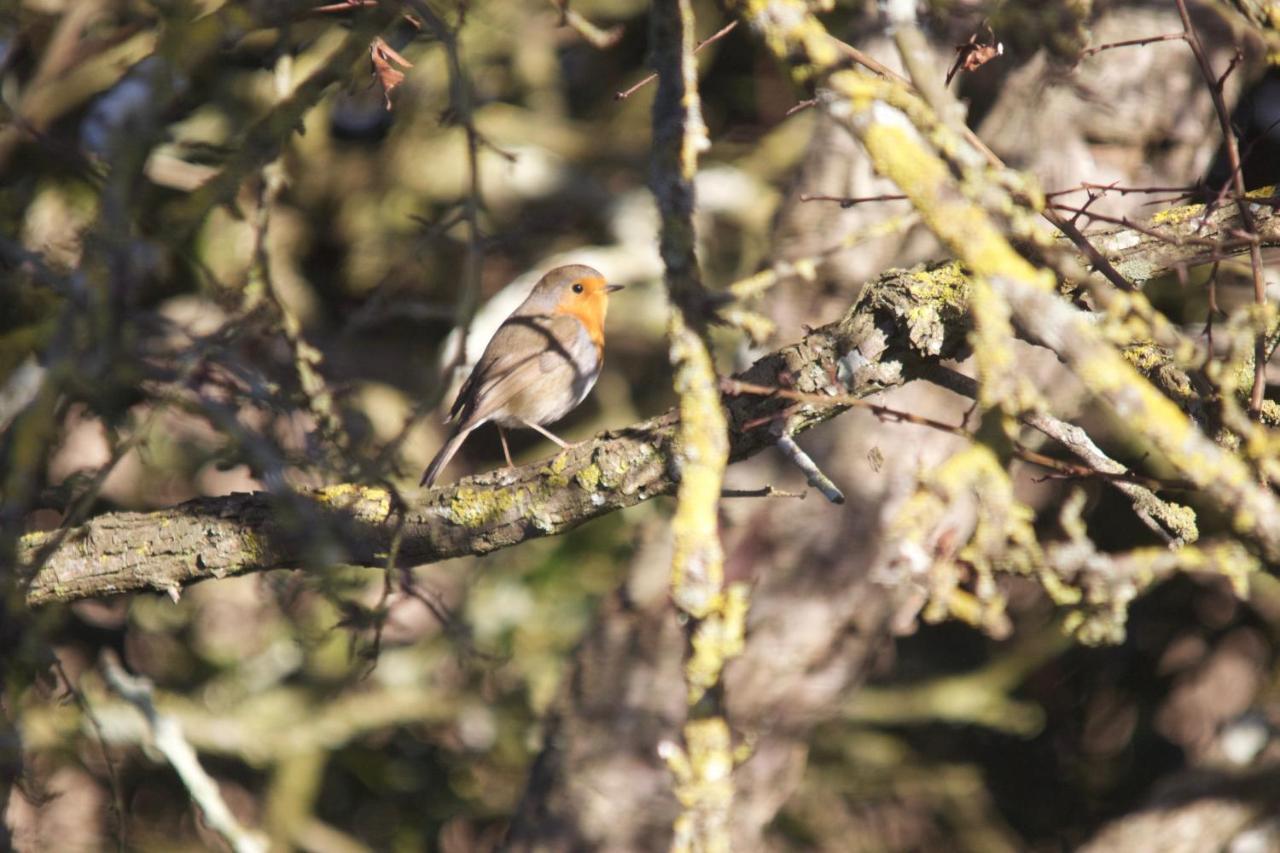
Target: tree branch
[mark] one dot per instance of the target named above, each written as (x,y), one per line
(223,536)
(904,322)
(715,616)
(974,215)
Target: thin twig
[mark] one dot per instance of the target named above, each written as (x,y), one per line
(597,37)
(1090,51)
(113,774)
(812,473)
(1215,85)
(869,62)
(1099,260)
(806,268)
(762,492)
(716,36)
(308,360)
(848,202)
(389,573)
(1066,469)
(166,733)
(800,105)
(1164,237)
(1116,188)
(461,104)
(1167,520)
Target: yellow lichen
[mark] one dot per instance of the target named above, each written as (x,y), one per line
(476,508)
(1178,215)
(589,477)
(554,471)
(717,638)
(349,495)
(703,772)
(30,542)
(697,563)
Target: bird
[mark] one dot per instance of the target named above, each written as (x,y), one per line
(540,364)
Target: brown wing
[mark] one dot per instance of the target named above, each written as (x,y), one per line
(517,356)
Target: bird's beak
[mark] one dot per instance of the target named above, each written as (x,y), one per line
(613,288)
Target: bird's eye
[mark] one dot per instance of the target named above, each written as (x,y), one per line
(577,288)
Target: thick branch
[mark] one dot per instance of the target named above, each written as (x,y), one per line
(218,537)
(903,322)
(1185,236)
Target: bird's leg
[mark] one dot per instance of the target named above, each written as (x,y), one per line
(502,434)
(548,433)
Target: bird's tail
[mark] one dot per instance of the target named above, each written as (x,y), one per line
(446,453)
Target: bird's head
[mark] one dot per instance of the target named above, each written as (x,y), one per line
(576,290)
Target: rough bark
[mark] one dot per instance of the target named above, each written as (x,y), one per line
(902,321)
(224,536)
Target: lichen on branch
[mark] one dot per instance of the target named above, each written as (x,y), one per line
(973,214)
(717,621)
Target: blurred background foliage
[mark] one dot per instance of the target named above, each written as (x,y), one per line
(183,324)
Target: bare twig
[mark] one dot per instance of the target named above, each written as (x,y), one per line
(886,413)
(308,361)
(800,105)
(460,101)
(812,473)
(847,202)
(1163,236)
(166,734)
(807,268)
(1172,522)
(1090,51)
(1096,258)
(113,774)
(867,61)
(595,36)
(714,37)
(1215,85)
(762,492)
(1116,188)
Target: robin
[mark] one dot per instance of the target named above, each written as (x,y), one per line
(539,365)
